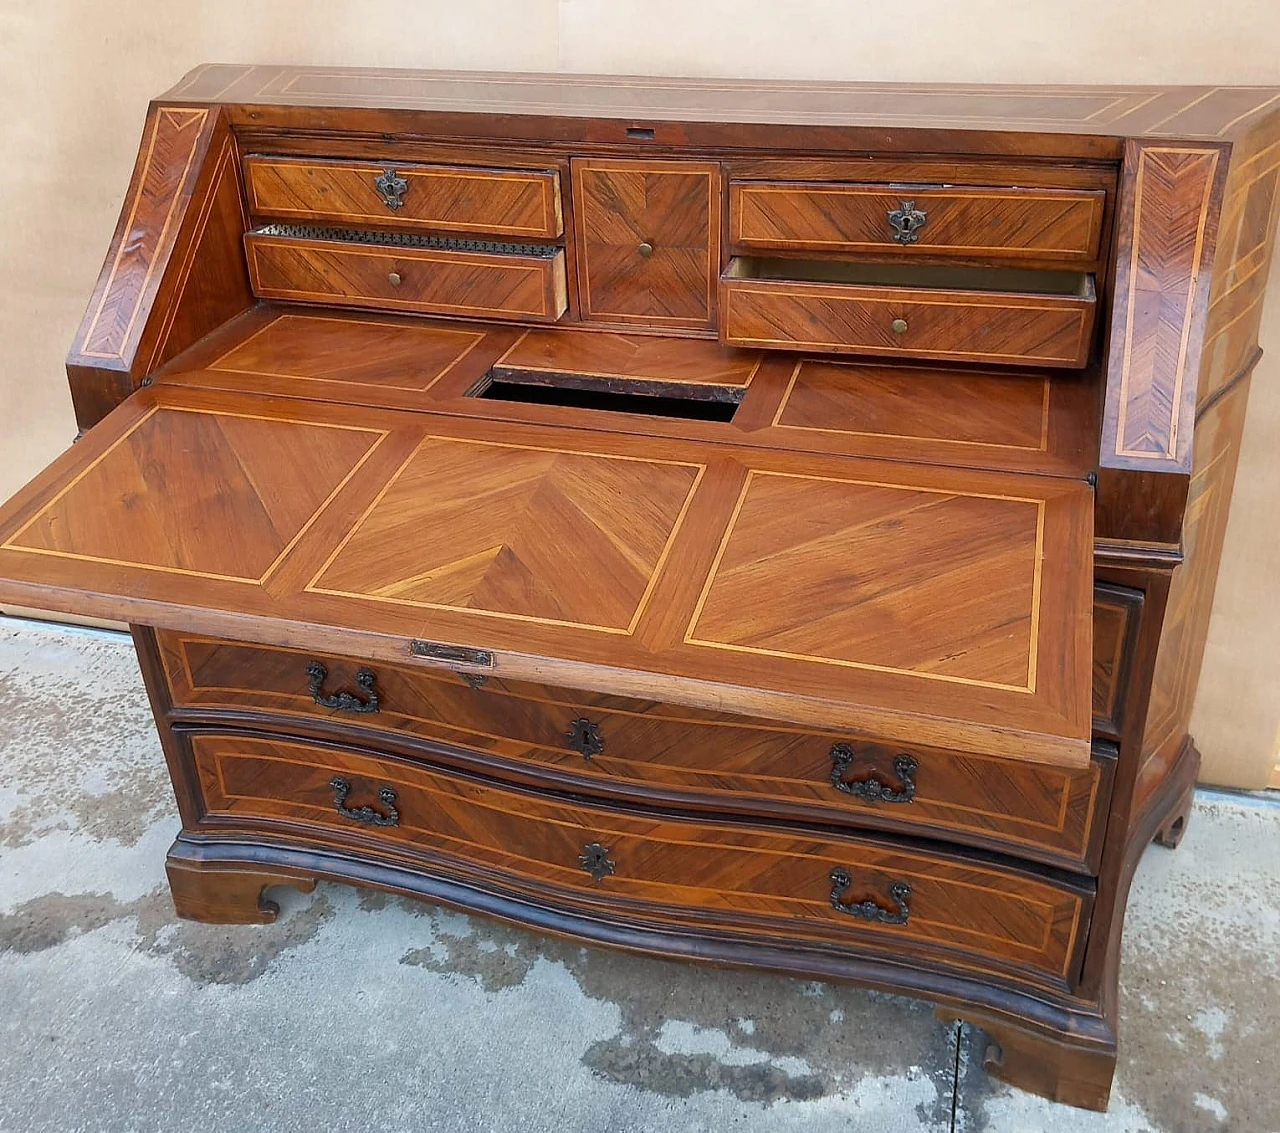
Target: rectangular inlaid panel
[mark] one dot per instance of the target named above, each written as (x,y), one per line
(632,363)
(964,326)
(775,882)
(958,408)
(254,486)
(425,280)
(167,163)
(845,559)
(515,531)
(436,198)
(649,752)
(648,241)
(1006,223)
(1166,234)
(352,351)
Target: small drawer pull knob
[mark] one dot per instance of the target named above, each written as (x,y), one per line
(870,909)
(898,326)
(366,815)
(645,249)
(342,701)
(393,278)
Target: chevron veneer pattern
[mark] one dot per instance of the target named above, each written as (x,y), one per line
(545,535)
(673,209)
(1167,236)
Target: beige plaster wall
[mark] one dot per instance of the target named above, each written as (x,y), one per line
(75,76)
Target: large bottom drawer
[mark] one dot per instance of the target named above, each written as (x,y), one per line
(658,753)
(774,883)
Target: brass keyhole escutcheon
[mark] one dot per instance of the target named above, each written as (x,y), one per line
(645,249)
(393,278)
(898,326)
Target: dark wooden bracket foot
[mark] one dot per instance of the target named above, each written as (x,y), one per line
(1042,1063)
(227,895)
(1170,832)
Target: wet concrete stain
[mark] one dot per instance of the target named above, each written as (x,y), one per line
(72,710)
(205,954)
(761,1038)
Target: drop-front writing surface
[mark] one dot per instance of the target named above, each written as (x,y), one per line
(766,523)
(904,602)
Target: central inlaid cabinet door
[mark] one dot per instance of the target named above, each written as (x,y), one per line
(648,241)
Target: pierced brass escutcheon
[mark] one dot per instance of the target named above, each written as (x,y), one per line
(906,221)
(391,188)
(584,737)
(594,860)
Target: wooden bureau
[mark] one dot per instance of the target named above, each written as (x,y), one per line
(770,524)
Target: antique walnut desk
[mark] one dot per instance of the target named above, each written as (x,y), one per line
(771,524)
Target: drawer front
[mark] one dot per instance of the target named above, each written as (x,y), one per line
(656,867)
(648,241)
(1052,225)
(1117,612)
(1003,328)
(650,752)
(426,280)
(435,198)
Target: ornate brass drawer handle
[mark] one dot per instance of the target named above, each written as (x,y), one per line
(899,893)
(391,188)
(585,738)
(906,222)
(342,701)
(872,789)
(365,814)
(594,860)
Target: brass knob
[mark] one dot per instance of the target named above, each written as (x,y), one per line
(898,326)
(645,249)
(393,278)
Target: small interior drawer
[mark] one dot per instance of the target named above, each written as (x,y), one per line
(407,273)
(440,198)
(1062,225)
(1006,316)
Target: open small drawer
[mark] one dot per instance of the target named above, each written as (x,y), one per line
(397,272)
(1007,316)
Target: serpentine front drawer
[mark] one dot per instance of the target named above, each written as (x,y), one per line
(645,751)
(763,883)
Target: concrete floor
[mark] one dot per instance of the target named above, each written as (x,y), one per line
(360,1012)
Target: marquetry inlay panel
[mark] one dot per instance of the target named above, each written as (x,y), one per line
(359,352)
(966,408)
(1167,233)
(538,534)
(166,163)
(648,241)
(842,561)
(261,483)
